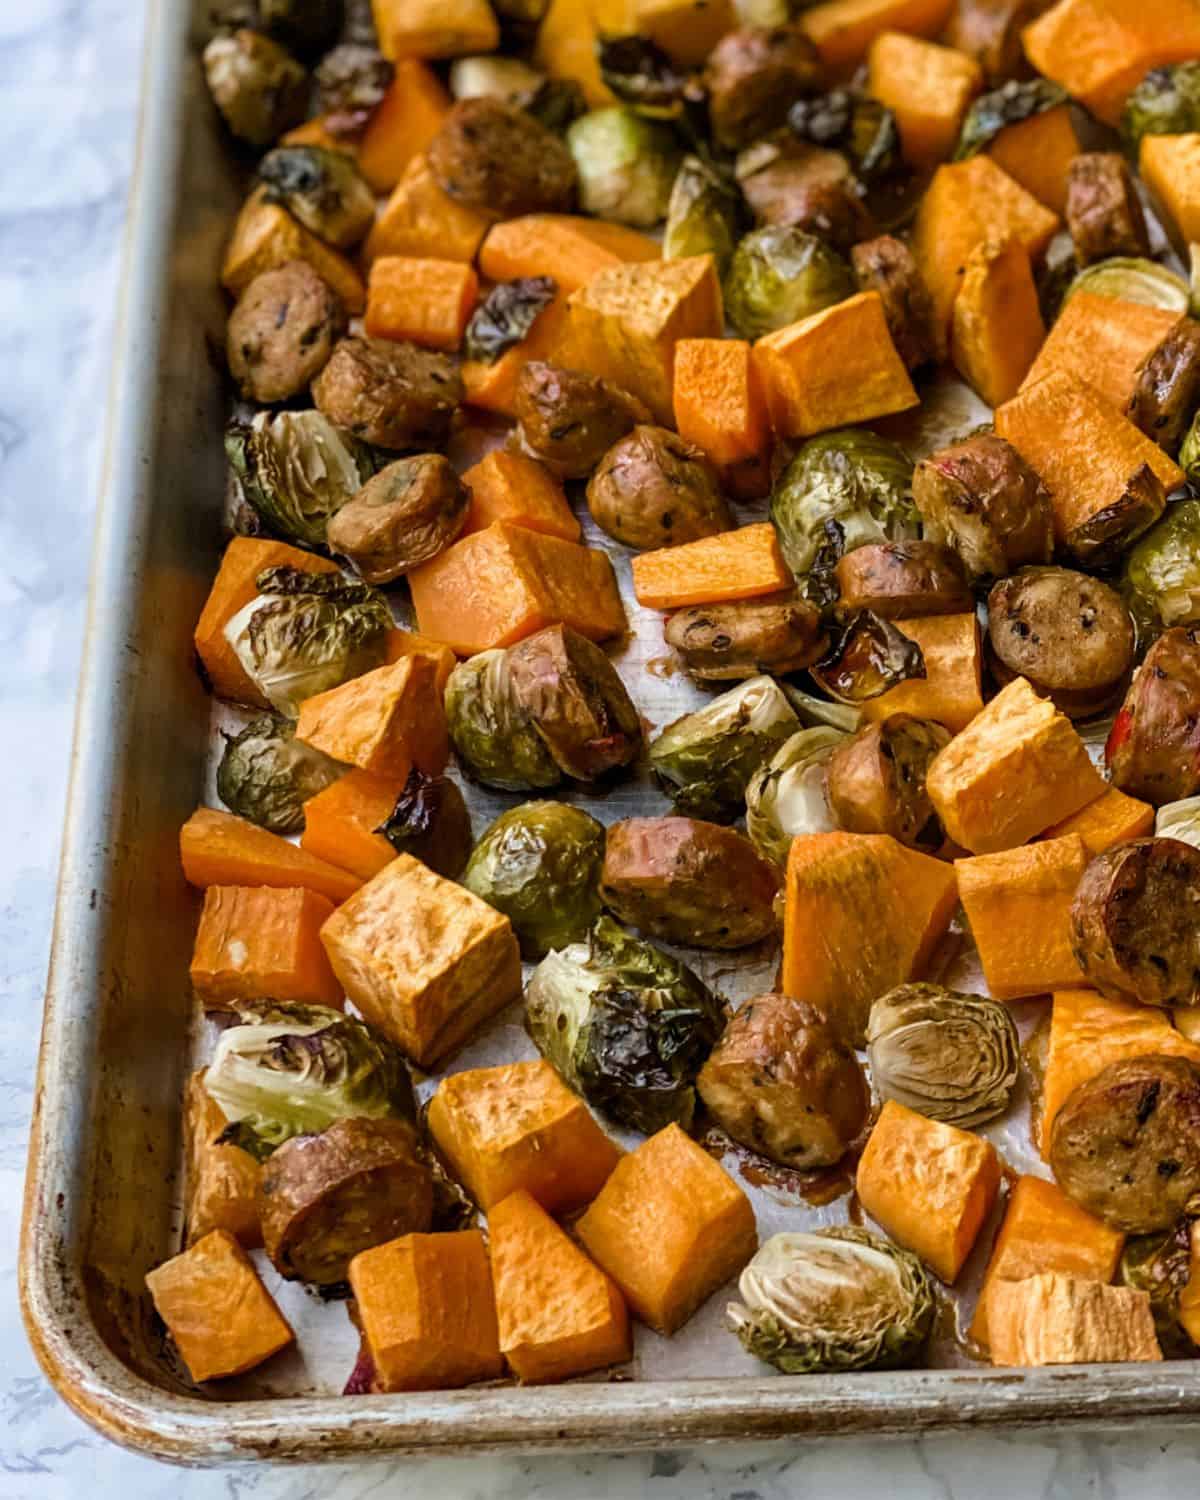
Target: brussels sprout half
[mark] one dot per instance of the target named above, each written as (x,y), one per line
(626,165)
(1161,1266)
(322,189)
(1179,820)
(1011,103)
(1166,102)
(267,775)
(1160,582)
(779,275)
(1132,278)
(493,736)
(787,796)
(703,216)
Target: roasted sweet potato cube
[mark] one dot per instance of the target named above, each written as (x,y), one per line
(1017,767)
(670,1226)
(928,88)
(425,301)
(1054,1319)
(422,958)
(341,823)
(686,30)
(1037,153)
(951,692)
(266,237)
(419,219)
(1110,819)
(719,406)
(384,722)
(217,848)
(843,30)
(1018,902)
(511,487)
(996,325)
(402,124)
(222,1319)
(566,47)
(930,1186)
(559,1315)
(222,1180)
(1044,1230)
(1170,165)
(402,643)
(262,943)
(428,1311)
(435,28)
(1102,341)
(568,247)
(741,564)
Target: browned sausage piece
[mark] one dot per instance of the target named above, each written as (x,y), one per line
(781,1083)
(982,500)
(570,420)
(389,392)
(1153,751)
(1167,386)
(654,489)
(499,159)
(886,265)
(990,32)
(323,1198)
(1104,212)
(1067,632)
(1126,1144)
(753,76)
(403,516)
(730,642)
(1135,922)
(804,186)
(900,580)
(688,882)
(876,781)
(282,332)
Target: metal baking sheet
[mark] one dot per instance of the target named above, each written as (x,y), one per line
(121,1031)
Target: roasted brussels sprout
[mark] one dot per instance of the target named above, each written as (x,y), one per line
(1153,751)
(259,88)
(1179,820)
(704,215)
(779,275)
(351,82)
(304,633)
(431,822)
(1161,1265)
(642,75)
(781,1083)
(1166,102)
(868,657)
(286,1069)
(1012,102)
(1161,578)
(688,882)
(505,316)
(323,1198)
(569,420)
(788,182)
(815,712)
(704,761)
(540,865)
(499,159)
(753,77)
(861,128)
(402,517)
(726,642)
(835,1299)
(388,392)
(949,1056)
(555,103)
(886,265)
(876,781)
(323,189)
(788,797)
(1131,278)
(625,1024)
(297,470)
(626,165)
(267,775)
(1166,389)
(899,580)
(654,489)
(491,76)
(282,332)
(492,734)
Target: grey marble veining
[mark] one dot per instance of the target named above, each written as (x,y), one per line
(68,95)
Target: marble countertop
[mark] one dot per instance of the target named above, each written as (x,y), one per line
(68,99)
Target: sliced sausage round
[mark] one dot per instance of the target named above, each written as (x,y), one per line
(1153,751)
(499,159)
(282,332)
(897,580)
(569,420)
(876,781)
(655,489)
(730,642)
(388,392)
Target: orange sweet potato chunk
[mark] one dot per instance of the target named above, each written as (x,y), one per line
(262,943)
(843,30)
(427,301)
(316,132)
(996,326)
(568,247)
(494,387)
(266,237)
(428,1311)
(233,588)
(402,643)
(719,403)
(686,30)
(669,1226)
(384,722)
(742,564)
(501,584)
(1170,165)
(340,823)
(566,47)
(862,914)
(928,88)
(1102,341)
(435,28)
(1018,903)
(514,488)
(420,220)
(930,1186)
(1110,819)
(222,1319)
(218,848)
(518,1127)
(222,1180)
(404,122)
(1037,152)
(951,692)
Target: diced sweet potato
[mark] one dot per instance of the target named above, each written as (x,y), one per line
(233,588)
(1107,481)
(494,387)
(501,584)
(1102,341)
(1044,1230)
(566,47)
(862,914)
(1110,819)
(518,1127)
(420,220)
(742,564)
(428,1311)
(222,1319)
(1018,903)
(568,247)
(316,132)
(340,823)
(511,487)
(217,848)
(384,722)
(266,237)
(262,943)
(928,88)
(404,122)
(719,405)
(951,692)
(222,1180)
(624,324)
(931,1186)
(843,30)
(1170,166)
(559,1315)
(1018,767)
(686,30)
(435,28)
(426,301)
(1037,153)
(1054,1319)
(996,326)
(402,643)
(422,958)
(832,369)
(670,1226)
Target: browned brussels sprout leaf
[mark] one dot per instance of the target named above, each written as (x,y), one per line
(868,659)
(506,315)
(554,103)
(1160,1265)
(641,74)
(430,821)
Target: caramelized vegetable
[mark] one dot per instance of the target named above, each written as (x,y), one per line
(1065,1320)
(222,1179)
(950,692)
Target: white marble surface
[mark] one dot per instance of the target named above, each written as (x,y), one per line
(68,97)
